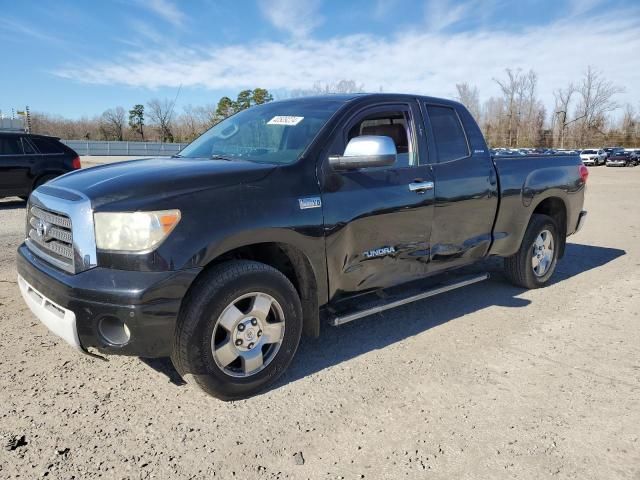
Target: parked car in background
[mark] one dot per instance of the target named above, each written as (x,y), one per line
(28,161)
(567,151)
(593,156)
(635,154)
(611,150)
(621,158)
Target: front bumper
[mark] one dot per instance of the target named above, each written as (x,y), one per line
(75,306)
(616,164)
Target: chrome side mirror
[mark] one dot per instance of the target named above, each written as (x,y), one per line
(366,151)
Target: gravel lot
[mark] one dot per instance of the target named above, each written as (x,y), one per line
(486,382)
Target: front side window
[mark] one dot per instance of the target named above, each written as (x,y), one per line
(271,133)
(10,146)
(449,136)
(395,124)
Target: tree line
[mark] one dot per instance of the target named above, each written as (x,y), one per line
(585,114)
(582,115)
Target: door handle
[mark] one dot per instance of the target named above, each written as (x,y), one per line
(420,187)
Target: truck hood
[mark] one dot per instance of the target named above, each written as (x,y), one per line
(158,177)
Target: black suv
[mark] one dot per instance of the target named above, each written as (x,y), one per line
(27,161)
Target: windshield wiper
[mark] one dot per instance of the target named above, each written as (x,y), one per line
(221,157)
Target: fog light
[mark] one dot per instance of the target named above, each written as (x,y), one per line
(114,330)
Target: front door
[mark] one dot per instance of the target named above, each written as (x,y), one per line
(376,222)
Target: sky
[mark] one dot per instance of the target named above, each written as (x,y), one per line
(79,58)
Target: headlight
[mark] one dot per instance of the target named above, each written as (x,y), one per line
(133,231)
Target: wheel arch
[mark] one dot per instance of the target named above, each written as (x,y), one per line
(290,261)
(556,208)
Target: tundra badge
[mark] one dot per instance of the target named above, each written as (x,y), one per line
(309,202)
(379,252)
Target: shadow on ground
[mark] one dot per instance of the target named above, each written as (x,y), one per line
(336,345)
(12,203)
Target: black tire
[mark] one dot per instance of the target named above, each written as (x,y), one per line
(519,267)
(212,295)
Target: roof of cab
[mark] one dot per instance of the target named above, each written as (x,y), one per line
(350,97)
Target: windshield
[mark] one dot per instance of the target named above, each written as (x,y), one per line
(589,151)
(271,133)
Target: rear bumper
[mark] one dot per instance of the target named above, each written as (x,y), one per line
(75,306)
(581,219)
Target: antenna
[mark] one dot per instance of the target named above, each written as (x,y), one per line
(173,104)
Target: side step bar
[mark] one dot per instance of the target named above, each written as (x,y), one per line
(341,320)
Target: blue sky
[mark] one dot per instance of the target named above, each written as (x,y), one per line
(76,58)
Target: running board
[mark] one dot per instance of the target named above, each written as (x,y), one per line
(341,320)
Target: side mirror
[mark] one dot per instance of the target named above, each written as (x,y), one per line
(366,151)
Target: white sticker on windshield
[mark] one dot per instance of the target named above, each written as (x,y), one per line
(285,120)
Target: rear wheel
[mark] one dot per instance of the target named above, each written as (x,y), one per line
(238,330)
(534,263)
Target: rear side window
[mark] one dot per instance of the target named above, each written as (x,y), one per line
(27,147)
(10,146)
(449,137)
(46,145)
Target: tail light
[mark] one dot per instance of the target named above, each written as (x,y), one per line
(75,163)
(584,173)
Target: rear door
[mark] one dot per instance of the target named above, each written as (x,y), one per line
(14,167)
(466,191)
(377,224)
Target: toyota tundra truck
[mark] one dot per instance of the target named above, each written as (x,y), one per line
(281,219)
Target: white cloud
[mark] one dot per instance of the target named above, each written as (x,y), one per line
(298,17)
(579,7)
(166,10)
(440,14)
(413,61)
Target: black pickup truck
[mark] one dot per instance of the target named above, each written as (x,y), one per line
(281,218)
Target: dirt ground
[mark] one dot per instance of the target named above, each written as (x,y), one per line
(485,382)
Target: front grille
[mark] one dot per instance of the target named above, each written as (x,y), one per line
(50,237)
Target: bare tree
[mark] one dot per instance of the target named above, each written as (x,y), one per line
(112,123)
(192,122)
(470,98)
(561,111)
(161,114)
(596,101)
(522,107)
(321,88)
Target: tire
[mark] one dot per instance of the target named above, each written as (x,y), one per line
(520,269)
(208,329)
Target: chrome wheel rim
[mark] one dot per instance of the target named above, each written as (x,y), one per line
(248,334)
(542,253)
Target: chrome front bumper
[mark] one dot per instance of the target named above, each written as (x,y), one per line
(59,320)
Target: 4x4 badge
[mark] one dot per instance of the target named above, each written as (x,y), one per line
(309,202)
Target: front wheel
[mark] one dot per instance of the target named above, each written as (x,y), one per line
(238,330)
(534,263)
